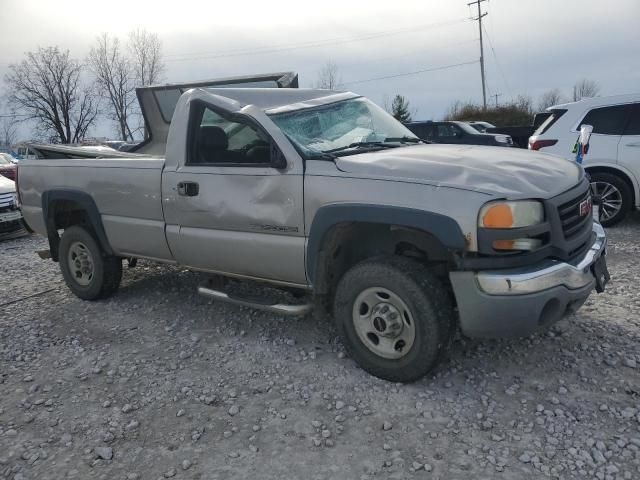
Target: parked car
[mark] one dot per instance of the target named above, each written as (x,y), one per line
(456,133)
(520,134)
(8,156)
(326,194)
(613,161)
(7,166)
(128,147)
(10,215)
(480,126)
(115,144)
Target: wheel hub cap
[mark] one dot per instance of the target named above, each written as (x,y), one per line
(384,323)
(386,320)
(80,263)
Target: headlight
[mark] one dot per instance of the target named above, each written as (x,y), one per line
(502,139)
(516,214)
(503,214)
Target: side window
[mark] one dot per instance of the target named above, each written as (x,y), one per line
(607,120)
(447,131)
(633,127)
(429,133)
(216,140)
(420,131)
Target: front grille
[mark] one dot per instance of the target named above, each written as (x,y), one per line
(7,201)
(572,222)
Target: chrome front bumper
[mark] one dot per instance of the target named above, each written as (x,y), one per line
(545,275)
(518,302)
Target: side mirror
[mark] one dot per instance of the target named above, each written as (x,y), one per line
(278,159)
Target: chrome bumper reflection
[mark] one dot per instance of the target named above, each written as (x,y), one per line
(545,275)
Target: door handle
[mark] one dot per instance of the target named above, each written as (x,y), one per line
(636,144)
(188,189)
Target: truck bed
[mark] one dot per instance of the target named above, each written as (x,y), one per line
(126,190)
(53,151)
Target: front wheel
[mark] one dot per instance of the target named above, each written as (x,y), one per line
(88,272)
(395,316)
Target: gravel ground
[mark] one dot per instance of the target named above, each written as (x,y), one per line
(157,382)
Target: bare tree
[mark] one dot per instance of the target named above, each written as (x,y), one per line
(146,56)
(549,99)
(115,80)
(455,110)
(524,103)
(585,89)
(8,131)
(329,76)
(47,86)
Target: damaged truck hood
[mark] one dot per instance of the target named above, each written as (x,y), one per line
(501,171)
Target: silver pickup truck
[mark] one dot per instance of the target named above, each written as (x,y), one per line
(324,194)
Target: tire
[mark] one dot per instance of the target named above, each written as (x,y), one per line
(619,194)
(88,272)
(416,296)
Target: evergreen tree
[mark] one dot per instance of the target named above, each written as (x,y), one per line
(400,109)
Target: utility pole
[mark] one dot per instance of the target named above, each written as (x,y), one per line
(496,95)
(479,19)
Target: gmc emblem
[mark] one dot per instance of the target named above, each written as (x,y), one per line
(585,207)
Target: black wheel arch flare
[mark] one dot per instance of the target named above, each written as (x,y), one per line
(87,204)
(445,229)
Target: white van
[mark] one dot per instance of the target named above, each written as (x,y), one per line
(613,161)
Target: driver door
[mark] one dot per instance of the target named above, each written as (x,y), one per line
(228,209)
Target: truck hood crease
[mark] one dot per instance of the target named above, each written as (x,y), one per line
(498,171)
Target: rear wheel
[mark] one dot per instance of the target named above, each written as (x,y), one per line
(395,317)
(88,272)
(615,195)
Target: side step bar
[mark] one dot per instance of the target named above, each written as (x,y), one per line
(281,308)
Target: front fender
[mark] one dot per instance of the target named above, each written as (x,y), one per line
(443,228)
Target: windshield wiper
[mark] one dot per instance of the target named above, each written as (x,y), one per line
(403,139)
(321,156)
(361,144)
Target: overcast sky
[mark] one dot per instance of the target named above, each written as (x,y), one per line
(531,45)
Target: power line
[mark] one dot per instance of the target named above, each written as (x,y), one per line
(13,115)
(377,60)
(495,57)
(479,19)
(177,57)
(303,45)
(434,69)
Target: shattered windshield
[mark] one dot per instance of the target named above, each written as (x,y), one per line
(343,126)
